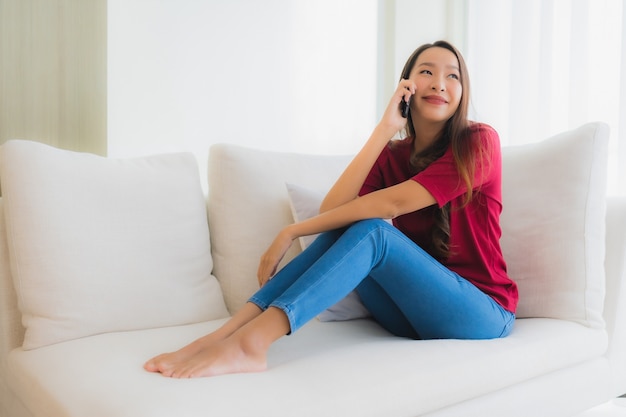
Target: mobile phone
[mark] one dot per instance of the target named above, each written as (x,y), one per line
(404,104)
(404,108)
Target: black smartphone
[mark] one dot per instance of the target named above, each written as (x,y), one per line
(404,107)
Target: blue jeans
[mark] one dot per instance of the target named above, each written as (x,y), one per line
(405,289)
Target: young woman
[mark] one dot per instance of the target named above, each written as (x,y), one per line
(437,273)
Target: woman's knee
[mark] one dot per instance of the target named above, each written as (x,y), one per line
(369,225)
(326,239)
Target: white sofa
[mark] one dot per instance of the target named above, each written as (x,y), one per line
(105,263)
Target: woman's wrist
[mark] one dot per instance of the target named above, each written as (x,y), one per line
(384,132)
(289,232)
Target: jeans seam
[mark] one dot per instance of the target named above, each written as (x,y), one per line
(507,326)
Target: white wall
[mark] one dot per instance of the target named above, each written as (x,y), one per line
(404,25)
(294,75)
(284,75)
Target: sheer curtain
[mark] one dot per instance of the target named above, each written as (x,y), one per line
(539,67)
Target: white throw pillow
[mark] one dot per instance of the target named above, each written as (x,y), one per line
(553,224)
(248,205)
(305,203)
(101,245)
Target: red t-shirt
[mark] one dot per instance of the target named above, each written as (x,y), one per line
(474,229)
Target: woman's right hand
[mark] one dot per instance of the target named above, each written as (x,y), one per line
(273,255)
(349,183)
(392,117)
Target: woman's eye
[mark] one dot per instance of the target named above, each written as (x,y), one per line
(427,72)
(454,76)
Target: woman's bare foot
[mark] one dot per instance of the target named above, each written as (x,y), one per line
(167,362)
(243,351)
(229,356)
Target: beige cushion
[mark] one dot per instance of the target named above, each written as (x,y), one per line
(553,224)
(100,245)
(248,205)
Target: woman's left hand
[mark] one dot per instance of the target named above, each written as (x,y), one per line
(273,255)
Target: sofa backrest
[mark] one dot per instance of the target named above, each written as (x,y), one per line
(615,300)
(248,203)
(553,220)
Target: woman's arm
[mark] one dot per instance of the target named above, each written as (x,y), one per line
(341,206)
(348,185)
(406,197)
(387,203)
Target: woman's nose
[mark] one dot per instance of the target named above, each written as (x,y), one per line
(438,85)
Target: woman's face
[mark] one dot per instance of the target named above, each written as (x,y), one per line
(438,81)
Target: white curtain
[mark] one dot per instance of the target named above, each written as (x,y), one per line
(539,67)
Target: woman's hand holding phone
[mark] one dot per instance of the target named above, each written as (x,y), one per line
(395,116)
(405,104)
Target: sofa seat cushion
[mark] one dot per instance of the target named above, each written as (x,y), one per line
(337,368)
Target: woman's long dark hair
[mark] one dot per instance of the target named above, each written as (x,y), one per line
(466,152)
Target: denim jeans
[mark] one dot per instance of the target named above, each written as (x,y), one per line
(405,289)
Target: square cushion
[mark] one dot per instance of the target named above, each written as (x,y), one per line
(553,224)
(248,205)
(100,245)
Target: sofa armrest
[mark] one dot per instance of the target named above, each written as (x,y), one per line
(615,300)
(11,329)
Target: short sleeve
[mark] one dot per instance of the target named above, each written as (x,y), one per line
(442,179)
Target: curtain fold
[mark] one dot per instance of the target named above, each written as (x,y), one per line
(53,73)
(539,67)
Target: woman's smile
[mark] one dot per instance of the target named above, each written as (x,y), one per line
(435,99)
